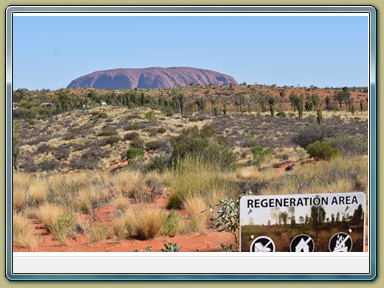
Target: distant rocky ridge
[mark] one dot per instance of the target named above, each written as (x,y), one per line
(155,77)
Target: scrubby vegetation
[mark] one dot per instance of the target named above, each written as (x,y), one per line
(156,159)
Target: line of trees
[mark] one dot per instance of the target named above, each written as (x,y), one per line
(44,103)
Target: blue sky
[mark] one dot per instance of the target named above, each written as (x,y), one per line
(324,51)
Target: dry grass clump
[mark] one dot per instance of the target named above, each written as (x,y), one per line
(194,177)
(143,222)
(127,183)
(23,232)
(121,203)
(97,234)
(119,227)
(196,207)
(38,191)
(90,198)
(57,220)
(21,185)
(147,222)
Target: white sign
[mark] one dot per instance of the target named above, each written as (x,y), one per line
(304,222)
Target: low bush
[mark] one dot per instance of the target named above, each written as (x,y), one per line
(48,165)
(313,133)
(349,146)
(281,114)
(99,114)
(89,160)
(111,140)
(202,144)
(134,153)
(152,145)
(107,133)
(131,136)
(260,154)
(62,152)
(322,150)
(161,130)
(150,116)
(43,148)
(137,143)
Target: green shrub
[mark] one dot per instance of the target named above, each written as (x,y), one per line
(260,154)
(281,114)
(170,223)
(150,116)
(322,150)
(134,153)
(202,144)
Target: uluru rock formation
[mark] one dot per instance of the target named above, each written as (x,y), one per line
(156,77)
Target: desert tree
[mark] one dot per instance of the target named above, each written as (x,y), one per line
(342,96)
(319,117)
(200,102)
(181,103)
(315,101)
(361,107)
(328,103)
(262,100)
(272,102)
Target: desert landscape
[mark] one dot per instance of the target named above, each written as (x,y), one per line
(161,169)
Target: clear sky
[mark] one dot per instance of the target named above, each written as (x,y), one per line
(49,52)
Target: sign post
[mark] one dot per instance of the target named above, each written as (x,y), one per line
(303,223)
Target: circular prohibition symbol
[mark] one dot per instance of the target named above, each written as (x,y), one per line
(340,242)
(302,243)
(263,244)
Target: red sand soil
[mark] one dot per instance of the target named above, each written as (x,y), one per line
(80,242)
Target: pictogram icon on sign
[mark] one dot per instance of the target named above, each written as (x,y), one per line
(263,244)
(302,243)
(340,242)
